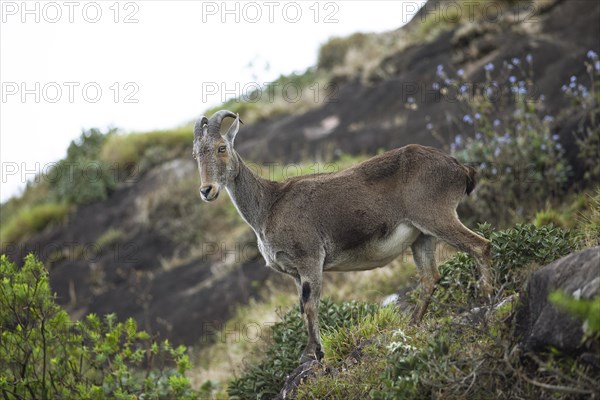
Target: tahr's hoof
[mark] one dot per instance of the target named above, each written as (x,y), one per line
(415,319)
(486,290)
(316,355)
(307,358)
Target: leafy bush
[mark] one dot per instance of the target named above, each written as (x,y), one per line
(45,355)
(81,177)
(513,251)
(264,380)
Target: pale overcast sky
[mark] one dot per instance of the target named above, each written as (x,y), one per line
(142,65)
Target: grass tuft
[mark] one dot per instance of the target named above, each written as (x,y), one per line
(30,220)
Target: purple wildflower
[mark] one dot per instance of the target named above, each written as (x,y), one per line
(440,71)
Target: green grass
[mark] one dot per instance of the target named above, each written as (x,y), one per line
(29,220)
(109,237)
(339,343)
(130,149)
(446,16)
(288,95)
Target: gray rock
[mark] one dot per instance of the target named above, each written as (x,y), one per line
(539,323)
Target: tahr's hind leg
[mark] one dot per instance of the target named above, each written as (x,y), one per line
(423,250)
(456,234)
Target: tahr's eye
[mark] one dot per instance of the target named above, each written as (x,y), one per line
(222,149)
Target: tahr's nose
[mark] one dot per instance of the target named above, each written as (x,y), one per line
(205,191)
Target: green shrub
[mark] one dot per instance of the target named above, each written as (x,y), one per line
(81,177)
(45,355)
(265,379)
(513,252)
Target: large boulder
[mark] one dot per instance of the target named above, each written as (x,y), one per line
(541,324)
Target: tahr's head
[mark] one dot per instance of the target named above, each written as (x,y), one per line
(217,161)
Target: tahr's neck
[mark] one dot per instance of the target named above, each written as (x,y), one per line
(251,195)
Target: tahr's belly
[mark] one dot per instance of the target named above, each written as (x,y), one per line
(377,252)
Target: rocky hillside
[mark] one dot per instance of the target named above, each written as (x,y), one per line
(152,251)
(371,110)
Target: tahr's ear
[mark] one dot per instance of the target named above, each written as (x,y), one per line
(201,127)
(233,129)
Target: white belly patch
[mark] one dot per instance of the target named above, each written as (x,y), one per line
(376,253)
(396,243)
